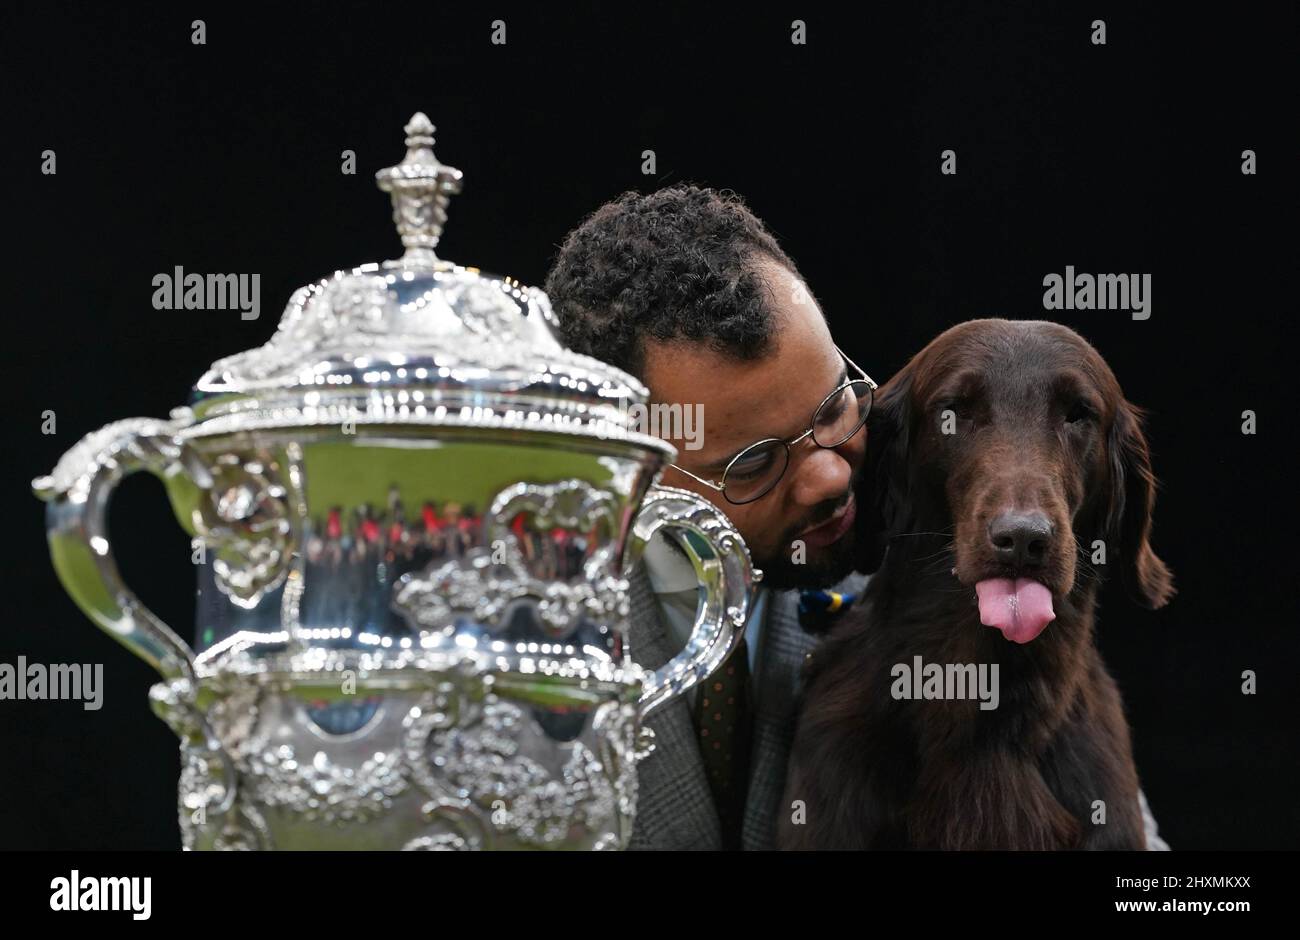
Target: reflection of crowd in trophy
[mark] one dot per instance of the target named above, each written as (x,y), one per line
(354,557)
(365,536)
(552,555)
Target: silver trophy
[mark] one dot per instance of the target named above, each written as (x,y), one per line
(414,511)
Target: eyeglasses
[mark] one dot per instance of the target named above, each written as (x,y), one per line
(754,471)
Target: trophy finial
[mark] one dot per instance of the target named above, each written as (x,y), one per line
(420,187)
(417,129)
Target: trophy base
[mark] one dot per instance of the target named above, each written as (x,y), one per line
(414,761)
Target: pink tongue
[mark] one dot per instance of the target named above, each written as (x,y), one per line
(1021,609)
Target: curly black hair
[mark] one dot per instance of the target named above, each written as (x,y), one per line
(679,263)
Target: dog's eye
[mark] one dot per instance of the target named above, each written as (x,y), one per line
(958,406)
(1079,412)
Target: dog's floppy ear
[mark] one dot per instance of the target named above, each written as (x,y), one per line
(1132,499)
(882,494)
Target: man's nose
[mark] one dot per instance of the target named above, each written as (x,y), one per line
(1020,539)
(823,475)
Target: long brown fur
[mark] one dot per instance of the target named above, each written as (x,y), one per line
(1041,424)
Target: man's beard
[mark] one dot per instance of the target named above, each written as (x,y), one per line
(835,562)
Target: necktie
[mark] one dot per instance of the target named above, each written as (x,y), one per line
(723,725)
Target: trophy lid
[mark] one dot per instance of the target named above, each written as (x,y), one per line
(418,340)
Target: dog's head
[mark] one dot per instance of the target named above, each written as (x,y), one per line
(1013,441)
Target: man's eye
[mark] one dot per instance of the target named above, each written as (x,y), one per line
(750,466)
(834,408)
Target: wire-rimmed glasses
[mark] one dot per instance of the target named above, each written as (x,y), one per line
(754,471)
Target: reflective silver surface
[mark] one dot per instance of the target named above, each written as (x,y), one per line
(416,511)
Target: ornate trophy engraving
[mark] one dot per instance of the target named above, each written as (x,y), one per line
(417,510)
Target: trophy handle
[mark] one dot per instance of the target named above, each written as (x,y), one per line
(77,495)
(726,574)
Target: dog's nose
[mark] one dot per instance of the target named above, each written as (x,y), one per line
(1020,538)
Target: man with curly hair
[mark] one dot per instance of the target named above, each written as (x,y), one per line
(687,290)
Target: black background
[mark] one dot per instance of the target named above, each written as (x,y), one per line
(1119,158)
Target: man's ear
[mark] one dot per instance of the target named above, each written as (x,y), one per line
(882,494)
(1132,500)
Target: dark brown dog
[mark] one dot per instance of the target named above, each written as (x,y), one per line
(1004,455)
